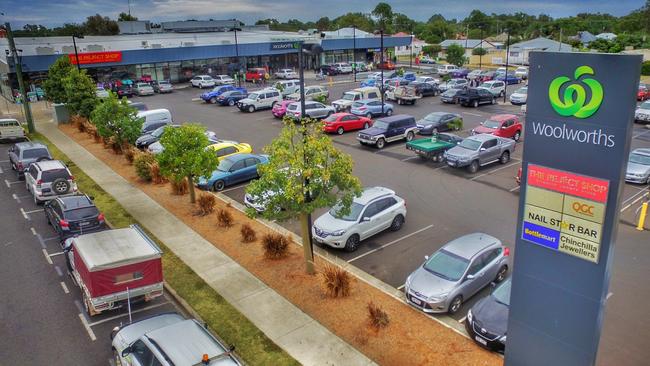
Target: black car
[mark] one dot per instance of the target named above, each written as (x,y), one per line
(451,95)
(329,70)
(123,91)
(475,97)
(73,215)
(231,97)
(439,121)
(147,139)
(425,89)
(487,320)
(388,129)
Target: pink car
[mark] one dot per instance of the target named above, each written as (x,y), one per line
(279,109)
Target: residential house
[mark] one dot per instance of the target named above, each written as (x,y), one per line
(518,52)
(584,37)
(469,45)
(606,36)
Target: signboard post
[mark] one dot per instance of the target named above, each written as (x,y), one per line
(579,122)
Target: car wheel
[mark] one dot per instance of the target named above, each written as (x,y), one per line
(455,305)
(200,86)
(397,223)
(366,125)
(352,243)
(218,186)
(116,356)
(381,143)
(475,104)
(61,186)
(494,101)
(213,100)
(473,167)
(409,136)
(273,105)
(501,275)
(389,112)
(340,130)
(505,157)
(516,136)
(231,102)
(251,108)
(440,157)
(369,115)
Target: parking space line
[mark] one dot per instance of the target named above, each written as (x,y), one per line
(89,330)
(264,118)
(126,314)
(389,244)
(33,230)
(640,192)
(24,214)
(441,167)
(64,287)
(4,161)
(388,149)
(234,188)
(473,114)
(8,183)
(514,189)
(401,287)
(55,254)
(493,170)
(462,320)
(640,134)
(633,202)
(51,238)
(410,158)
(47,257)
(1,171)
(33,211)
(58,271)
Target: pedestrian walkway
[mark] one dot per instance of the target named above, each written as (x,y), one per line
(289,327)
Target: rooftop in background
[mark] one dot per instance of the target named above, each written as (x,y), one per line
(541,44)
(470,43)
(348,32)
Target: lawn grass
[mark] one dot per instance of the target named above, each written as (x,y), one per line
(231,326)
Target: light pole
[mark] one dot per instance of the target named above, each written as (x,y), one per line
(237,54)
(76,54)
(411,52)
(505,90)
(21,83)
(480,55)
(381,64)
(354,52)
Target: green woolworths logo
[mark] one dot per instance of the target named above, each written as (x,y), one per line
(575,96)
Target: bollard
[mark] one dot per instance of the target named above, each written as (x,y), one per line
(644,212)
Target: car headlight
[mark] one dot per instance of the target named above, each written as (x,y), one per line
(338,233)
(373,137)
(438,297)
(470,316)
(503,339)
(408,282)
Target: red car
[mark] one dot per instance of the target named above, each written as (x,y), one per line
(502,125)
(341,122)
(387,65)
(644,92)
(255,74)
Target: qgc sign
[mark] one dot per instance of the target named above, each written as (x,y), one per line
(574,102)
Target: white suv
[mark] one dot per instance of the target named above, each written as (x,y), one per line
(224,80)
(286,74)
(496,87)
(343,68)
(376,210)
(203,81)
(46,180)
(261,99)
(446,69)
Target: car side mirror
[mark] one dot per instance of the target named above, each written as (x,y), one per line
(426,257)
(482,149)
(503,127)
(470,277)
(365,219)
(126,351)
(493,285)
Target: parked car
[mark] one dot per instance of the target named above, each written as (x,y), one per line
(22,154)
(376,210)
(510,79)
(287,87)
(224,80)
(101,93)
(520,96)
(496,87)
(642,113)
(474,74)
(48,179)
(386,65)
(454,84)
(139,106)
(311,92)
(487,75)
(638,166)
(286,74)
(145,140)
(521,72)
(154,118)
(280,109)
(370,83)
(502,125)
(435,147)
(343,68)
(349,97)
(232,170)
(212,95)
(231,97)
(371,108)
(312,110)
(162,86)
(156,147)
(457,271)
(409,76)
(644,92)
(460,73)
(425,89)
(359,66)
(257,74)
(10,129)
(203,81)
(487,321)
(446,69)
(73,215)
(428,80)
(224,149)
(427,60)
(436,122)
(405,94)
(329,70)
(142,89)
(168,339)
(474,97)
(342,122)
(261,99)
(450,96)
(388,129)
(123,91)
(480,150)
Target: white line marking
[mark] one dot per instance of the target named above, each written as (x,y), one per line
(641,192)
(9,243)
(65,288)
(195,99)
(493,170)
(389,244)
(1,171)
(47,257)
(33,211)
(14,196)
(55,254)
(234,188)
(609,295)
(7,183)
(462,320)
(4,161)
(632,203)
(401,287)
(473,114)
(640,134)
(514,189)
(91,334)
(33,230)
(51,238)
(58,271)
(410,158)
(441,167)
(24,214)
(265,118)
(123,315)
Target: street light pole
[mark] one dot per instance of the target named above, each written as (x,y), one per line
(381,64)
(21,83)
(237,56)
(354,52)
(505,90)
(480,56)
(411,53)
(76,54)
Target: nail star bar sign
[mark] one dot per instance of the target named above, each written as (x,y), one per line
(578,130)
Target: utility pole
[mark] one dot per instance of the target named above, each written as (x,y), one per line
(560,45)
(411,53)
(237,55)
(354,52)
(76,54)
(21,83)
(505,89)
(381,64)
(480,56)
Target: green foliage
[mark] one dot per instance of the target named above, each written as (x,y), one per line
(142,164)
(80,97)
(456,124)
(98,25)
(115,118)
(456,55)
(479,51)
(53,85)
(303,160)
(321,99)
(400,72)
(384,14)
(124,17)
(645,68)
(432,50)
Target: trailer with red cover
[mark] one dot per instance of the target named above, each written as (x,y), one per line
(115,266)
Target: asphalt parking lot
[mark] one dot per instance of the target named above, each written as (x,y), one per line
(444,203)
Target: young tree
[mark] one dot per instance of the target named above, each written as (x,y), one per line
(305,172)
(124,17)
(115,118)
(384,14)
(456,55)
(432,50)
(98,25)
(185,154)
(80,97)
(479,51)
(53,85)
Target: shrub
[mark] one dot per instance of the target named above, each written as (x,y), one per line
(224,218)
(377,316)
(116,146)
(142,163)
(248,234)
(645,68)
(276,246)
(156,175)
(79,122)
(179,187)
(130,154)
(336,281)
(321,99)
(206,204)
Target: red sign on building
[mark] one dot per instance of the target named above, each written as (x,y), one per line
(96,57)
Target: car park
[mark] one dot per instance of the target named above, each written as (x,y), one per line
(286,74)
(312,110)
(643,93)
(436,122)
(280,109)
(231,97)
(212,95)
(203,81)
(425,89)
(287,87)
(502,125)
(388,129)
(428,80)
(370,83)
(328,70)
(371,108)
(446,69)
(474,97)
(22,154)
(261,99)
(311,92)
(154,119)
(142,89)
(450,96)
(480,150)
(10,129)
(455,272)
(359,66)
(233,169)
(376,210)
(638,166)
(101,93)
(521,72)
(496,87)
(343,68)
(145,140)
(487,321)
(162,86)
(343,122)
(139,106)
(454,84)
(49,179)
(642,113)
(435,147)
(224,80)
(404,94)
(227,148)
(520,96)
(349,97)
(73,215)
(256,74)
(460,73)
(168,339)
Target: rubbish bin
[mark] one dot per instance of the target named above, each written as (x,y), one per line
(60,113)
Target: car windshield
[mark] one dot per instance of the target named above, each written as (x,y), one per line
(645,105)
(225,165)
(158,132)
(163,83)
(348,96)
(470,144)
(491,124)
(640,159)
(253,96)
(81,213)
(502,293)
(380,125)
(355,210)
(35,153)
(485,85)
(357,105)
(142,85)
(331,118)
(446,265)
(51,175)
(293,107)
(433,117)
(521,91)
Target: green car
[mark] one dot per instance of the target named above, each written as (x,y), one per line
(434,148)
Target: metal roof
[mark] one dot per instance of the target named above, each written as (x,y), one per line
(542,44)
(469,43)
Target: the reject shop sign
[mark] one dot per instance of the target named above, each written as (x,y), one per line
(578,129)
(96,57)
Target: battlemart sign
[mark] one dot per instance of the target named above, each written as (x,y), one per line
(579,122)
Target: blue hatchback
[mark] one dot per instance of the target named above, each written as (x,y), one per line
(212,95)
(232,170)
(371,108)
(231,97)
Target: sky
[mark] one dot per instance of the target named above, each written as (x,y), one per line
(57,12)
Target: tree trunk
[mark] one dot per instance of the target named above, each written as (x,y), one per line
(306,243)
(190,186)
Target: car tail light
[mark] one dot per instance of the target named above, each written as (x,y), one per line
(72,177)
(20,165)
(38,183)
(362,108)
(506,251)
(64,224)
(100,217)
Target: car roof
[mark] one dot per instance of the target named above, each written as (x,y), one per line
(151,111)
(397,117)
(641,151)
(364,88)
(237,157)
(502,117)
(370,193)
(469,245)
(76,201)
(482,137)
(50,165)
(30,145)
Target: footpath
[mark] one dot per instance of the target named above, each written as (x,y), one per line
(290,328)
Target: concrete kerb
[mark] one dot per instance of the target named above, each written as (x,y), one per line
(357,272)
